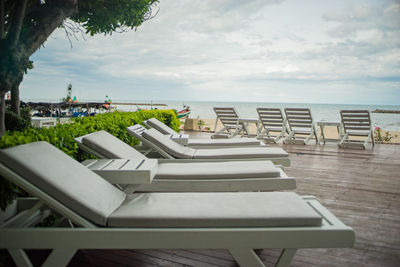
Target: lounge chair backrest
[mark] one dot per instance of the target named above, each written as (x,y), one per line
(356,121)
(299,118)
(110,147)
(228,116)
(271,118)
(168,145)
(159,126)
(64,179)
(136,130)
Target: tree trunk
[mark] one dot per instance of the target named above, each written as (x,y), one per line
(15,103)
(2,114)
(17,46)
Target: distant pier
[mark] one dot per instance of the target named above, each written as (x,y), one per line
(386,111)
(140,104)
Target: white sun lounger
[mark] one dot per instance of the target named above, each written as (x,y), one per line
(230,122)
(188,175)
(106,218)
(357,129)
(184,139)
(300,125)
(273,124)
(170,149)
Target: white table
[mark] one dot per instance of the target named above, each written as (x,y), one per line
(246,122)
(43,122)
(182,139)
(124,171)
(322,124)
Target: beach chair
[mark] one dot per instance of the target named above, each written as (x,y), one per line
(170,149)
(182,175)
(273,124)
(104,217)
(230,122)
(300,125)
(357,129)
(200,143)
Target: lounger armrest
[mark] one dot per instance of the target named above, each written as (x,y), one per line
(124,171)
(182,139)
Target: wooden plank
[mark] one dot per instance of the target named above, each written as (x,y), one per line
(299,125)
(361,187)
(267,125)
(296,109)
(354,111)
(295,118)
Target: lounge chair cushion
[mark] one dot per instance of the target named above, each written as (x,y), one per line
(221,136)
(65,179)
(168,145)
(161,127)
(224,142)
(110,146)
(220,170)
(255,209)
(240,153)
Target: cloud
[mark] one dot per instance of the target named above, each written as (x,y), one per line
(232,50)
(360,18)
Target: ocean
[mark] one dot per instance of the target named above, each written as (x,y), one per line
(204,109)
(326,112)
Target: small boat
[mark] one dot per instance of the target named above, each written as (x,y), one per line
(184,112)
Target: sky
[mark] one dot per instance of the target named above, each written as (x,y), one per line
(297,51)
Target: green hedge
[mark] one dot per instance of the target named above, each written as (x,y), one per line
(62,136)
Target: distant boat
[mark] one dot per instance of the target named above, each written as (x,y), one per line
(184,112)
(386,111)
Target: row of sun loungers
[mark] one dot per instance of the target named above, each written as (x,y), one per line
(214,174)
(125,200)
(296,126)
(199,143)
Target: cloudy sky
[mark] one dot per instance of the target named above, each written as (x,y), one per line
(301,51)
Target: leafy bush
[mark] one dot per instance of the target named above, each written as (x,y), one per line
(18,123)
(384,138)
(62,136)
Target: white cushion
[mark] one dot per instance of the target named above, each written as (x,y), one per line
(224,142)
(65,179)
(255,209)
(240,153)
(161,127)
(168,145)
(110,146)
(217,170)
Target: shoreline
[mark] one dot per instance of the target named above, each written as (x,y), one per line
(329,131)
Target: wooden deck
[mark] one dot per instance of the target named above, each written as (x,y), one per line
(361,187)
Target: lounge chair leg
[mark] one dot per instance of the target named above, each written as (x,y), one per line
(20,258)
(59,257)
(246,257)
(286,257)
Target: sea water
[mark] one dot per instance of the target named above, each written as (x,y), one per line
(319,112)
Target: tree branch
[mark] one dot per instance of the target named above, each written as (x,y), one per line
(17,19)
(72,28)
(2,20)
(48,19)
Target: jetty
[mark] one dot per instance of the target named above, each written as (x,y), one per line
(386,111)
(140,104)
(74,109)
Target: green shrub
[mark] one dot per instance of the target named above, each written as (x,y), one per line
(384,138)
(18,123)
(62,136)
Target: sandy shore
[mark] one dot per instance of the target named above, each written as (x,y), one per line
(329,131)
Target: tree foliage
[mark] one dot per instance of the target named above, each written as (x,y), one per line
(106,17)
(62,136)
(26,24)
